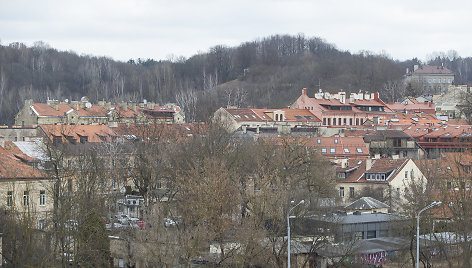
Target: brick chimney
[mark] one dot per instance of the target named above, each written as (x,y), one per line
(304,91)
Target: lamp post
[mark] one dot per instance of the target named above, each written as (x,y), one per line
(288,228)
(435,203)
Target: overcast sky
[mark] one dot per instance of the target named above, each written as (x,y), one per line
(124,29)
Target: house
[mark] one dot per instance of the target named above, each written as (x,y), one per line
(448,103)
(266,120)
(85,113)
(25,189)
(429,78)
(340,111)
(389,143)
(443,138)
(426,107)
(384,179)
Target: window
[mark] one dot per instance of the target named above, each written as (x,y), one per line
(357,121)
(358,235)
(406,174)
(339,120)
(83,139)
(412,174)
(434,80)
(42,224)
(298,117)
(346,150)
(69,163)
(329,121)
(359,150)
(308,117)
(351,191)
(398,192)
(334,121)
(371,234)
(397,142)
(9,198)
(324,121)
(449,80)
(345,121)
(42,198)
(335,141)
(323,150)
(341,191)
(350,121)
(332,150)
(26,198)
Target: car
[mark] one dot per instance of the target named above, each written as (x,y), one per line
(169,222)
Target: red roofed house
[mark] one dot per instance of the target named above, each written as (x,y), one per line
(385,178)
(24,188)
(277,120)
(438,139)
(338,110)
(84,113)
(426,107)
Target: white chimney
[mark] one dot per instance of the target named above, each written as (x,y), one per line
(342,97)
(415,67)
(368,164)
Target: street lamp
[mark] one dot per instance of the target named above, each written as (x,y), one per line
(435,203)
(288,228)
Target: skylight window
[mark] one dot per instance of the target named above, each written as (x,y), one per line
(246,116)
(359,150)
(299,117)
(335,141)
(308,117)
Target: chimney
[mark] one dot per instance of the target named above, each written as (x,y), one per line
(150,105)
(75,105)
(304,91)
(352,97)
(54,104)
(342,97)
(107,106)
(101,103)
(368,164)
(123,106)
(415,67)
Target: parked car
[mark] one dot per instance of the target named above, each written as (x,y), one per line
(168,222)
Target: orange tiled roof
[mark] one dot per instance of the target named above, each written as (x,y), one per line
(94,133)
(160,132)
(14,150)
(429,69)
(416,107)
(12,168)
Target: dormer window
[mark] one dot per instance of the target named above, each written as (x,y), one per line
(335,141)
(83,139)
(375,176)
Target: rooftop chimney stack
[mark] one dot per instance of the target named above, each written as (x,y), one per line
(304,91)
(368,164)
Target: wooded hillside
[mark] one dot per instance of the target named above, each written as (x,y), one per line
(262,73)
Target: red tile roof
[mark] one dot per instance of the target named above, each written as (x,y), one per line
(429,108)
(94,133)
(429,69)
(12,168)
(357,172)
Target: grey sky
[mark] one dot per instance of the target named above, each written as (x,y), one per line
(124,29)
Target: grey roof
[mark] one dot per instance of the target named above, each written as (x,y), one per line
(32,149)
(365,246)
(361,218)
(366,203)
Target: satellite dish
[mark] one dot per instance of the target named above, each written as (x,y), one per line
(123,190)
(66,100)
(88,105)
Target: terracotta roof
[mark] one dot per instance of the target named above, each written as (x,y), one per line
(429,69)
(414,118)
(383,165)
(72,133)
(12,168)
(160,132)
(245,114)
(329,146)
(14,150)
(43,109)
(416,107)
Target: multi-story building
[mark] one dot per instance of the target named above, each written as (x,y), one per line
(85,113)
(427,78)
(338,110)
(25,189)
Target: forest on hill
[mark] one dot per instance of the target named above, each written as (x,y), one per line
(267,72)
